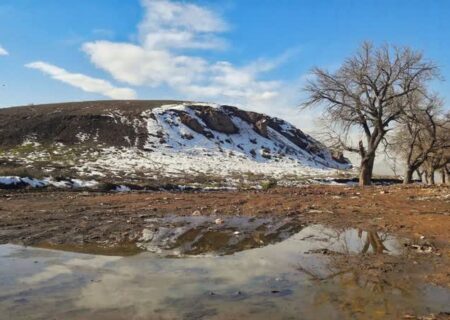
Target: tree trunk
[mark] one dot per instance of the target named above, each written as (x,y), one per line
(430,174)
(419,174)
(365,174)
(408,175)
(425,175)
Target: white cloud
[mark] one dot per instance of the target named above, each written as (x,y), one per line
(137,66)
(83,82)
(164,57)
(3,51)
(169,24)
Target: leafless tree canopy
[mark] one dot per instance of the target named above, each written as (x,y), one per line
(416,136)
(439,156)
(367,93)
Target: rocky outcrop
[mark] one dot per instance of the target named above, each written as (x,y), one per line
(260,126)
(258,120)
(215,119)
(339,156)
(193,124)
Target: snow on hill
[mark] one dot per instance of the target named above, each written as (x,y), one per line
(163,141)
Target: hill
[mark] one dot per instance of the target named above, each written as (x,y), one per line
(157,141)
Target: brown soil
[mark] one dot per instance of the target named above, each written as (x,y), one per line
(114,219)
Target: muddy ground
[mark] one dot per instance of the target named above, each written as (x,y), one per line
(107,222)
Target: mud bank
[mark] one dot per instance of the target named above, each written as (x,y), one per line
(225,222)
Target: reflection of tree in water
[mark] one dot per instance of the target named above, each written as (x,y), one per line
(337,242)
(374,241)
(358,285)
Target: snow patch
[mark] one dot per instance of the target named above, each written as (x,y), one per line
(122,188)
(40,183)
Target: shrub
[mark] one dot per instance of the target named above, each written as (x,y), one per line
(269,184)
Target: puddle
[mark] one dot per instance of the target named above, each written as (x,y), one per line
(290,278)
(202,235)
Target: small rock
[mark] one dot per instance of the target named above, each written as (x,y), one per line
(422,248)
(218,221)
(196,213)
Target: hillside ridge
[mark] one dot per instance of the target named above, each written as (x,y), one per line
(159,138)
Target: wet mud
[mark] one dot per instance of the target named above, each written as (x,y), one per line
(322,252)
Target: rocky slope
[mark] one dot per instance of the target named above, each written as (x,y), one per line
(157,141)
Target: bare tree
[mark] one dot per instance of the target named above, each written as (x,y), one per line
(439,158)
(416,136)
(445,137)
(367,93)
(421,174)
(445,173)
(434,162)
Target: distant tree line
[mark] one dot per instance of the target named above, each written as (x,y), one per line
(383,95)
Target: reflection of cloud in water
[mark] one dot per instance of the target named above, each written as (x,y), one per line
(49,273)
(68,267)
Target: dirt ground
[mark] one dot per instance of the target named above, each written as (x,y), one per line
(84,219)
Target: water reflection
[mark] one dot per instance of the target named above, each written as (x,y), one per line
(373,241)
(197,235)
(265,282)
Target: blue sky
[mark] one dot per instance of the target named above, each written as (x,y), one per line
(253,53)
